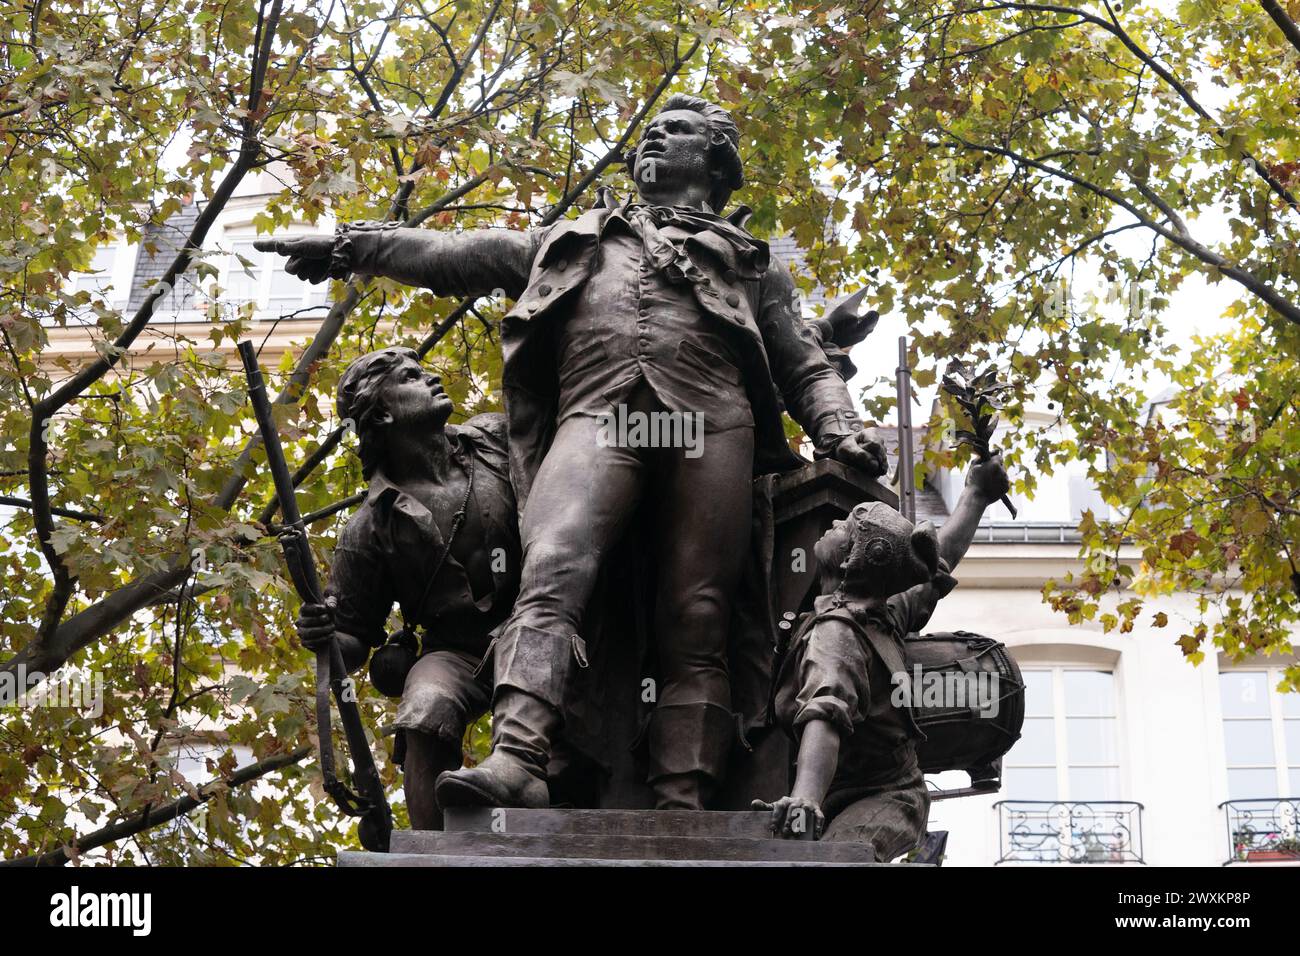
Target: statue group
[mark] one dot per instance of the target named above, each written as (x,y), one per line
(595,565)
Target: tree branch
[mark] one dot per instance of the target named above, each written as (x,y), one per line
(44,410)
(447,199)
(61,512)
(153,817)
(1114,29)
(1248,280)
(1288,26)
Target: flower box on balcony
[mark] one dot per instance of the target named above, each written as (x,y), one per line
(1272,856)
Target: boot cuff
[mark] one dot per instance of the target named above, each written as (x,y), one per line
(690,738)
(538,662)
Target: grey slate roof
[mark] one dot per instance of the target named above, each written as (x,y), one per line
(788,251)
(929,503)
(167,238)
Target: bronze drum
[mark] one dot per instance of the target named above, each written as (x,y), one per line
(968,698)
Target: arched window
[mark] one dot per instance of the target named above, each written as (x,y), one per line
(1069,747)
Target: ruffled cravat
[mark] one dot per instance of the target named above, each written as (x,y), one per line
(666,229)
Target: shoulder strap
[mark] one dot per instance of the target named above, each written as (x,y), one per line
(884,644)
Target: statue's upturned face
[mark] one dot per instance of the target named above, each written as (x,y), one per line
(673,152)
(833,546)
(413,395)
(908,554)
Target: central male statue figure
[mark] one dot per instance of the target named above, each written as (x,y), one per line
(660,305)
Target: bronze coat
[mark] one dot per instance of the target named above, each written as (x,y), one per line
(781,358)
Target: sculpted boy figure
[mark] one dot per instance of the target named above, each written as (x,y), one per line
(437,535)
(880,580)
(655,305)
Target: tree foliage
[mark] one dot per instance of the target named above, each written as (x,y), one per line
(969,156)
(1031,183)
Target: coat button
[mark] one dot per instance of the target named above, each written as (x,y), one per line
(562,264)
(733,300)
(730,275)
(543,290)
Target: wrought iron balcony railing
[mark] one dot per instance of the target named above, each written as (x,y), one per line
(1069,831)
(1264,830)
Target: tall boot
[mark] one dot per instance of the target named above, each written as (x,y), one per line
(688,749)
(514,773)
(533,668)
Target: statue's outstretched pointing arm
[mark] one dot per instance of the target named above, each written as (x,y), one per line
(477,262)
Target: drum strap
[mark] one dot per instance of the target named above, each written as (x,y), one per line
(881,641)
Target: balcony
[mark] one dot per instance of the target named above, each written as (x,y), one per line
(1264,830)
(1069,831)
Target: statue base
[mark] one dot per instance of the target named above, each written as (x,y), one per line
(507,837)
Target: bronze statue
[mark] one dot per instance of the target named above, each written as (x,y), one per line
(880,579)
(437,535)
(647,308)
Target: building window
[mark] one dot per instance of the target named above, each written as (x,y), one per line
(1069,746)
(243,274)
(260,278)
(1261,735)
(98,277)
(1061,779)
(286,293)
(1084,496)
